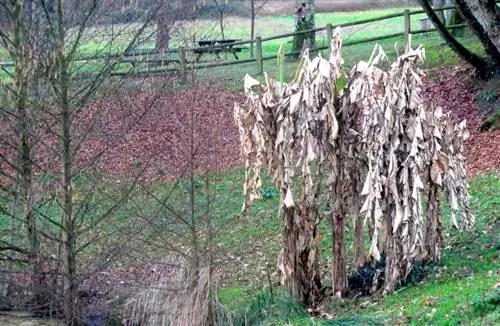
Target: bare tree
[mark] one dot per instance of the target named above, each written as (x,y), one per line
(483,18)
(47,99)
(168,14)
(183,224)
(21,44)
(68,104)
(222,7)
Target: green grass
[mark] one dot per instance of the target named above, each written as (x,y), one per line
(269,26)
(460,290)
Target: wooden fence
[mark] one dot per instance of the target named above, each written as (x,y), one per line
(164,60)
(405,31)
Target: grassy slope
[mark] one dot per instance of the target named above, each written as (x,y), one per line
(461,289)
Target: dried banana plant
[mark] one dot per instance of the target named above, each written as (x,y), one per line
(455,177)
(252,142)
(344,174)
(407,145)
(446,169)
(371,130)
(293,129)
(393,186)
(364,95)
(438,163)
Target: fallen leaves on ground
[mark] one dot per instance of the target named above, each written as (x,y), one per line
(452,89)
(163,136)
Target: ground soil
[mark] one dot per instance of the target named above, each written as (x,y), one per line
(21,319)
(153,133)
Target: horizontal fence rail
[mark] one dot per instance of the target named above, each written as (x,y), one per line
(164,62)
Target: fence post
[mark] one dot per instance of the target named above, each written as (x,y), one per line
(258,55)
(407,28)
(182,65)
(329,37)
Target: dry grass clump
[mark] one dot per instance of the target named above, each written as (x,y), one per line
(180,300)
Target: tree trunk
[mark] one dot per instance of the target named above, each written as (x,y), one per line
(339,264)
(339,270)
(340,195)
(220,11)
(162,34)
(477,62)
(68,223)
(392,268)
(304,21)
(357,175)
(47,27)
(68,259)
(449,13)
(221,24)
(301,268)
(167,13)
(303,283)
(456,19)
(434,231)
(483,17)
(23,18)
(29,13)
(26,195)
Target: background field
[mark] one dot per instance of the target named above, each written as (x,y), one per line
(111,39)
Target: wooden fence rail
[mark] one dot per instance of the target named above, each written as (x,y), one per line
(184,65)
